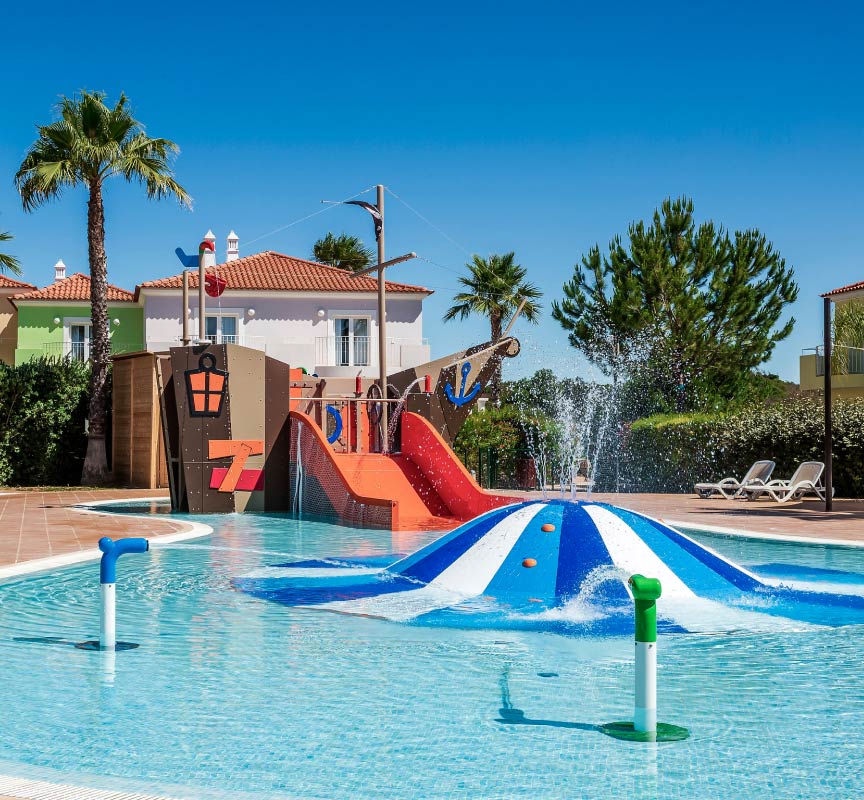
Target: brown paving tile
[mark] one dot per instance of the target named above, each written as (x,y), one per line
(37,524)
(806,519)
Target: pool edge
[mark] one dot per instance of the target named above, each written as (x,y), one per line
(194,530)
(770,537)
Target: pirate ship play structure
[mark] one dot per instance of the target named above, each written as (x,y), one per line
(238,430)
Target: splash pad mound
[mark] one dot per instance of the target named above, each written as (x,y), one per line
(552,565)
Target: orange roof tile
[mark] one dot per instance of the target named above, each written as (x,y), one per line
(11,283)
(75,287)
(852,287)
(269,271)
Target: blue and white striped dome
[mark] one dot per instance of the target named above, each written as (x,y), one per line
(553,565)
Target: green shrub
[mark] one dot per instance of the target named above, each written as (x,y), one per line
(500,428)
(43,408)
(671,453)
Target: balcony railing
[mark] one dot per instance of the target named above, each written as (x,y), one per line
(82,351)
(254,342)
(854,359)
(360,351)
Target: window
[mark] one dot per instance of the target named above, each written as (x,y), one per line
(79,341)
(222,329)
(352,341)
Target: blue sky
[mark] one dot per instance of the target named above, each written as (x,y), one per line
(542,133)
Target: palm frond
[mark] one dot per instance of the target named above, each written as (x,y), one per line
(342,251)
(8,263)
(91,141)
(494,288)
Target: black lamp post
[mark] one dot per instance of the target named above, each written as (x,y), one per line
(829,477)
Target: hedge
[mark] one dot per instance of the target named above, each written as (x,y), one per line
(671,453)
(43,409)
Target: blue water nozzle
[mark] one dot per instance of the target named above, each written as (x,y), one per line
(112,550)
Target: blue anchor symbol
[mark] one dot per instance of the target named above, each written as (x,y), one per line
(462,399)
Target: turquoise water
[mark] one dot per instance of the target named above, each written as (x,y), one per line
(229,696)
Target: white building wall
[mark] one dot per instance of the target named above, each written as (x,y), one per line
(290,327)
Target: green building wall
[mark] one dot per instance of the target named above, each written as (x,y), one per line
(38,334)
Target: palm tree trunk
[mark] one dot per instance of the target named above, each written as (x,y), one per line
(495,323)
(96,461)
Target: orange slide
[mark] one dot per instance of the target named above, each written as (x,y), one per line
(425,486)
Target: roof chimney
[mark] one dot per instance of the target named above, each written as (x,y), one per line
(210,256)
(233,252)
(59,271)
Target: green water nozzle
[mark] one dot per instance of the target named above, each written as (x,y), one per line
(645,594)
(644,588)
(644,727)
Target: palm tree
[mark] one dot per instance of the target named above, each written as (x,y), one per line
(90,143)
(495,288)
(343,251)
(8,263)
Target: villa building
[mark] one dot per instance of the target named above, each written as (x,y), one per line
(9,317)
(55,321)
(812,363)
(308,314)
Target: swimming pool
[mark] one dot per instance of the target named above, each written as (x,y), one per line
(231,696)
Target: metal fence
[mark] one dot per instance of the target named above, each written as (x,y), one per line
(854,359)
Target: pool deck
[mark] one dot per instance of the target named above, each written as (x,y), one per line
(39,525)
(803,520)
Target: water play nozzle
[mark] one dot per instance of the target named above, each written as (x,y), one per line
(644,588)
(112,550)
(645,593)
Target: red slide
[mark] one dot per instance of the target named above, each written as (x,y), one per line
(425,486)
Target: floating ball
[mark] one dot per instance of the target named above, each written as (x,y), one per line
(529,562)
(547,528)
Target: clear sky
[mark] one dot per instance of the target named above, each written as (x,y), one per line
(541,132)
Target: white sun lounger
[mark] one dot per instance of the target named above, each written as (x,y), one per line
(806,480)
(731,488)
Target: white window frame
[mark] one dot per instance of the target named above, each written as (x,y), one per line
(68,323)
(238,313)
(352,315)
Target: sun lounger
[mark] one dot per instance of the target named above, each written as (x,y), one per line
(730,488)
(806,480)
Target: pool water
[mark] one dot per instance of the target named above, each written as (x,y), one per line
(229,696)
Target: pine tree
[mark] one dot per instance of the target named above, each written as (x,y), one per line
(694,306)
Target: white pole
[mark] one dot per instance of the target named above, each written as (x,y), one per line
(108,618)
(645,593)
(645,711)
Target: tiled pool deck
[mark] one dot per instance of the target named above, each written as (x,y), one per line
(805,519)
(36,525)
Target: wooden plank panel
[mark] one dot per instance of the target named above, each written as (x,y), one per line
(195,432)
(277,436)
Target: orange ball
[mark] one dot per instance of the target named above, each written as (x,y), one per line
(529,562)
(547,528)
